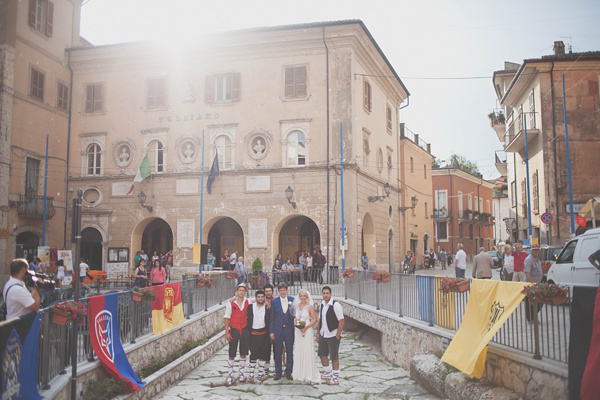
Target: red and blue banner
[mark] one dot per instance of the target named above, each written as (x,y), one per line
(103,326)
(19,347)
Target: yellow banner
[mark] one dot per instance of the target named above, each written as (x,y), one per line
(490,304)
(167,308)
(197,252)
(444,306)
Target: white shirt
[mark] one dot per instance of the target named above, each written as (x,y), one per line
(144,256)
(19,299)
(228,308)
(258,316)
(509,263)
(461,259)
(309,262)
(60,274)
(83,268)
(339,313)
(284,303)
(232,258)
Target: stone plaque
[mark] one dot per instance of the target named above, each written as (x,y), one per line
(258,183)
(120,188)
(186,186)
(185,233)
(257,233)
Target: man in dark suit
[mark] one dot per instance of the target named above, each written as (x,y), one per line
(281,329)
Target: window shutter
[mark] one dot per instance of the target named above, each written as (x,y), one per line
(209,89)
(235,87)
(300,76)
(49,18)
(365,95)
(98,98)
(32,12)
(370,96)
(89,98)
(289,82)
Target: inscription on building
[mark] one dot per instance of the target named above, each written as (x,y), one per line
(186,186)
(258,183)
(185,233)
(189,117)
(120,188)
(257,233)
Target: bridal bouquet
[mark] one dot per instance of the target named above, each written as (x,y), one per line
(299,323)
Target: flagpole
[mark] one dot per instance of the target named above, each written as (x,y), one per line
(201,201)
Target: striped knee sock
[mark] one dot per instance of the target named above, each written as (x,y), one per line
(252,366)
(230,367)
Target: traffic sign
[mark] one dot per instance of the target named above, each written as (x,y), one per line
(581,221)
(547,218)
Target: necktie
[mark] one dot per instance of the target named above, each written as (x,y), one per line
(284,304)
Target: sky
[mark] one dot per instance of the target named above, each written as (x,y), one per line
(429,43)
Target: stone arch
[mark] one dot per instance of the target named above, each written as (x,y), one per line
(300,233)
(137,236)
(223,233)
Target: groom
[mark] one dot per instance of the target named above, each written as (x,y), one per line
(281,329)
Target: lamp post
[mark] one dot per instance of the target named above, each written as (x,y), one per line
(387,188)
(414,201)
(142,200)
(289,194)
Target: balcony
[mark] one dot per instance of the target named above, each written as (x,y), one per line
(514,139)
(498,123)
(441,214)
(31,206)
(501,165)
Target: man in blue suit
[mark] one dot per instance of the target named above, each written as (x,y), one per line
(281,329)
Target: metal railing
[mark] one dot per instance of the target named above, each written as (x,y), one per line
(544,334)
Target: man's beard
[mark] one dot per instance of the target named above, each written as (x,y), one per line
(260,303)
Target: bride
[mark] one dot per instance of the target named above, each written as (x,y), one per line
(305,361)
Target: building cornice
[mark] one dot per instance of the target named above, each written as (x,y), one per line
(462,174)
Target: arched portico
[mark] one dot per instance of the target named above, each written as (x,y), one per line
(152,234)
(294,234)
(91,247)
(223,233)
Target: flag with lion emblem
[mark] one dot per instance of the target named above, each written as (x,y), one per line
(167,308)
(489,306)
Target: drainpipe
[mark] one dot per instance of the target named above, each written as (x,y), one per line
(557,204)
(327,157)
(68,149)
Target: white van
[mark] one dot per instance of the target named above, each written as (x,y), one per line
(572,266)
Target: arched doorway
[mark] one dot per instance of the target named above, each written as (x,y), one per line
(368,239)
(225,234)
(27,244)
(158,237)
(91,248)
(391,249)
(297,234)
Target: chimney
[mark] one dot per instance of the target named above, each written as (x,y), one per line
(559,48)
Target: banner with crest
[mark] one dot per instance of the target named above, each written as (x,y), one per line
(167,308)
(19,346)
(489,306)
(103,326)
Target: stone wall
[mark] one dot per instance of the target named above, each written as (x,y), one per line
(200,326)
(403,338)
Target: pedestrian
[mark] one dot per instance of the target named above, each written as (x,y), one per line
(210,260)
(20,302)
(482,265)
(35,265)
(321,264)
(533,274)
(461,262)
(237,333)
(260,343)
(508,264)
(144,255)
(60,273)
(288,272)
(426,259)
(329,335)
(155,257)
(432,258)
(137,259)
(233,260)
(519,257)
(364,260)
(83,271)
(141,275)
(442,258)
(240,269)
(158,274)
(169,265)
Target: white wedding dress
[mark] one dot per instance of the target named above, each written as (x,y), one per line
(305,358)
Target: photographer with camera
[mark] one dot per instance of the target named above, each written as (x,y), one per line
(17,298)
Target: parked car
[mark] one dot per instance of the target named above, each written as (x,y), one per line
(497,261)
(572,266)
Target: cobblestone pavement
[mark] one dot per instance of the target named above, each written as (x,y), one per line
(364,375)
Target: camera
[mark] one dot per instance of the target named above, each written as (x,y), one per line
(40,280)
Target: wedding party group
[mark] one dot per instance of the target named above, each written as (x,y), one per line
(283,325)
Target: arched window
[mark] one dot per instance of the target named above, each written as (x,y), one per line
(296,149)
(94,159)
(156,156)
(223,146)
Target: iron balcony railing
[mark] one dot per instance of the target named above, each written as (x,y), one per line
(418,297)
(31,205)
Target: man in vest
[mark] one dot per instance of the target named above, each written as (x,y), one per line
(260,343)
(331,325)
(236,331)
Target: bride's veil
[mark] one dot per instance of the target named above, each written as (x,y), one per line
(297,299)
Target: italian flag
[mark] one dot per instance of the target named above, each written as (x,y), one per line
(142,173)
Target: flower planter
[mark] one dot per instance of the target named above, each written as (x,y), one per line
(385,279)
(461,287)
(350,275)
(201,283)
(60,317)
(555,301)
(137,297)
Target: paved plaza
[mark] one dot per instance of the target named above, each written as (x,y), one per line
(364,375)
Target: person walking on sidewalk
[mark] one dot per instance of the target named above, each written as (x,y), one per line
(508,264)
(461,262)
(482,265)
(519,263)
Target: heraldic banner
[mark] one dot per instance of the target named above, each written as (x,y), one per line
(103,326)
(19,346)
(167,308)
(489,306)
(584,344)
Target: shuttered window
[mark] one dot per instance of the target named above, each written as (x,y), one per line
(295,82)
(156,93)
(94,98)
(62,96)
(536,193)
(367,95)
(388,117)
(222,88)
(41,16)
(37,84)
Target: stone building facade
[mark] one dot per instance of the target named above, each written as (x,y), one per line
(34,103)
(274,104)
(463,210)
(531,95)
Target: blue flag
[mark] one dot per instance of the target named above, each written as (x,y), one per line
(19,346)
(214,171)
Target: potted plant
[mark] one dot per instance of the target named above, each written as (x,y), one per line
(140,294)
(381,276)
(205,280)
(65,311)
(546,293)
(232,275)
(454,285)
(348,273)
(257,269)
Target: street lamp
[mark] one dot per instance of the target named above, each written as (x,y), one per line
(142,200)
(413,200)
(387,188)
(289,193)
